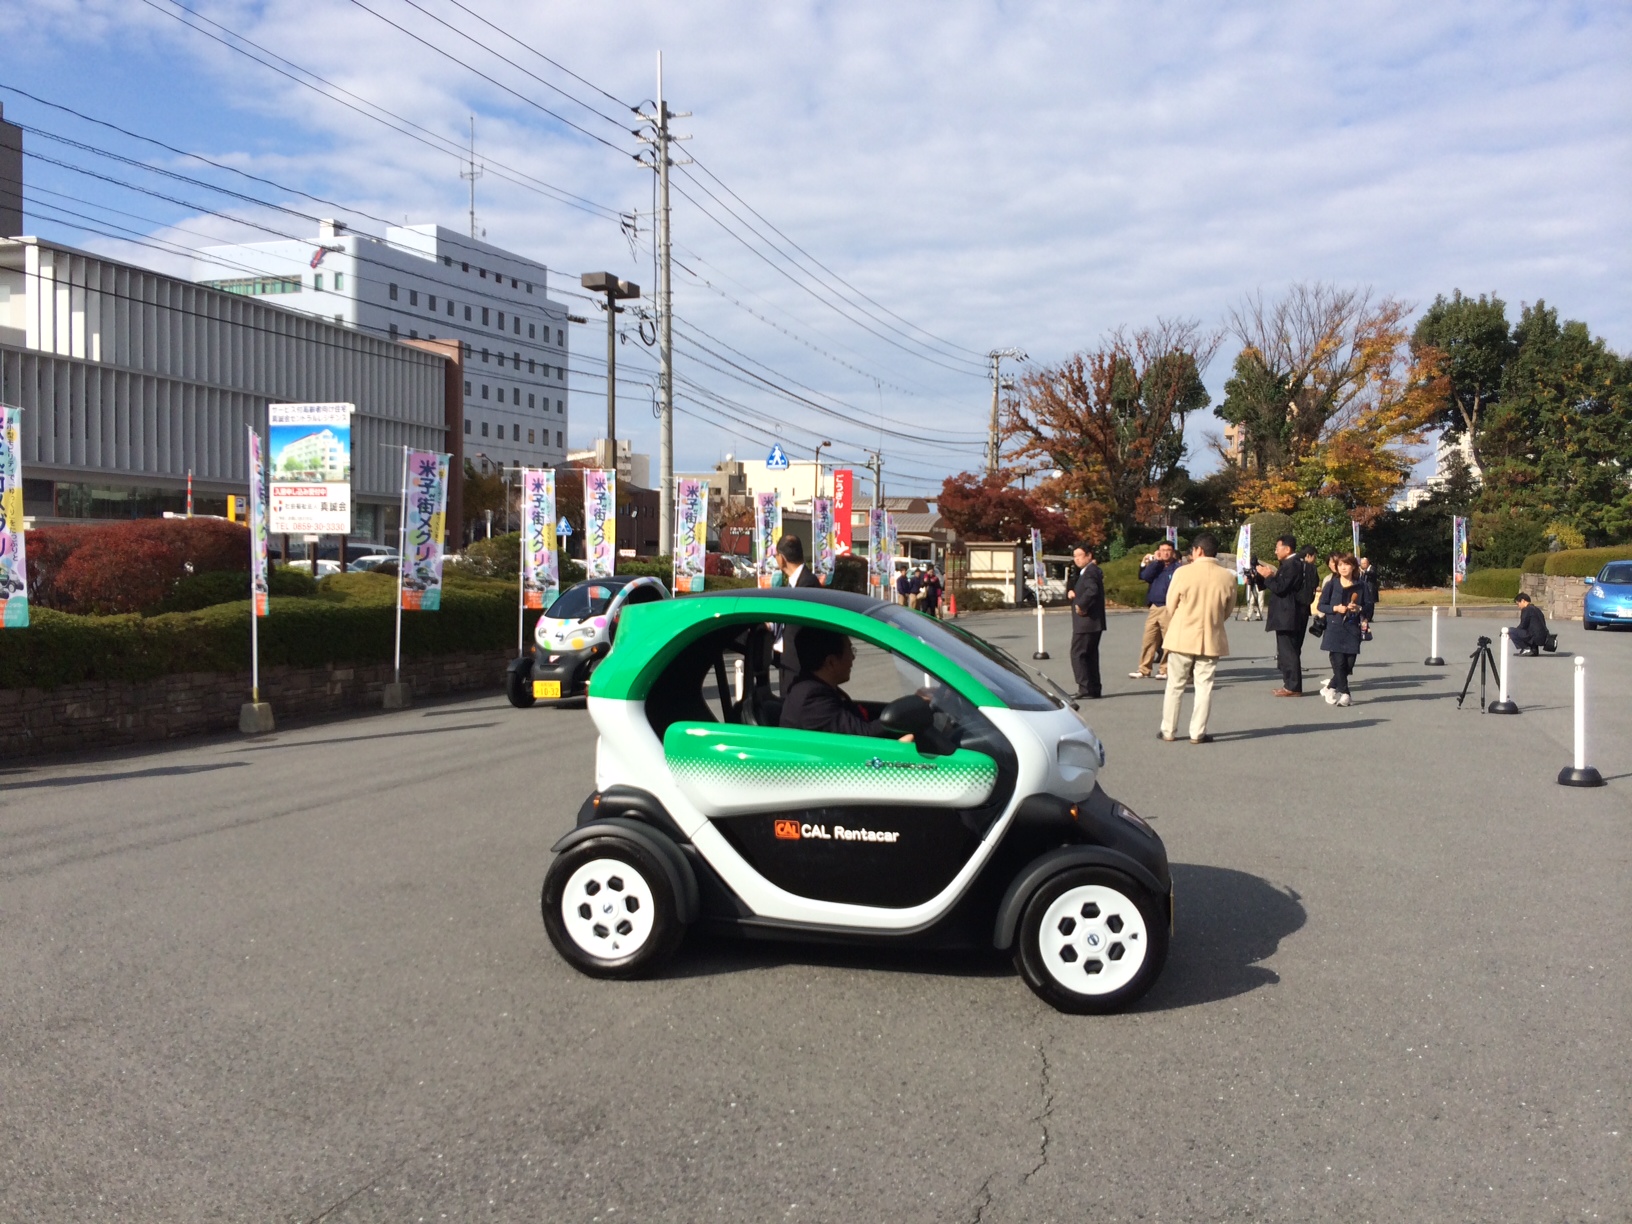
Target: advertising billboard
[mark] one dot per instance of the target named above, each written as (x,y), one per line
(309,468)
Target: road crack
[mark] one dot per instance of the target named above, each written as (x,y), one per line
(1043,1115)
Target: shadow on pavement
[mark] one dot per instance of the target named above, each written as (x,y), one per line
(706,954)
(357,739)
(1226,923)
(1338,723)
(166,771)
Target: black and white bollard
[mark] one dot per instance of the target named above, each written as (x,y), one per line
(1582,774)
(1503,703)
(1433,659)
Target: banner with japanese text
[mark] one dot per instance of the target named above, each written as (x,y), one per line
(821,534)
(1243,554)
(13,559)
(540,568)
(600,522)
(1172,536)
(257,524)
(891,544)
(879,557)
(309,468)
(844,485)
(1459,549)
(1038,570)
(425,510)
(690,534)
(1354,524)
(767,530)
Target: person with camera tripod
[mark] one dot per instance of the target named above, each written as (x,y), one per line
(1347,606)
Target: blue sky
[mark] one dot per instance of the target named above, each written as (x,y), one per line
(1004,174)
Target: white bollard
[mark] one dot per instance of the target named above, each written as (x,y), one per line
(1583,774)
(1041,653)
(1504,704)
(1433,659)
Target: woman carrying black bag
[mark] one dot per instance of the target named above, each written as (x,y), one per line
(1347,604)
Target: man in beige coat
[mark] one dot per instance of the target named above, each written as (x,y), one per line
(1200,600)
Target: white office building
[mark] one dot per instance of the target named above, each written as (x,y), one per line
(426,282)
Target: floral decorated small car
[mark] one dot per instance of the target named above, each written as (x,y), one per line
(976,821)
(573,636)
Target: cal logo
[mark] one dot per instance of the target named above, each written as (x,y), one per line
(787,830)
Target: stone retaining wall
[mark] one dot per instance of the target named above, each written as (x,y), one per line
(1558,597)
(108,713)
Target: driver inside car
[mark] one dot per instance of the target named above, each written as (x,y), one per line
(815,702)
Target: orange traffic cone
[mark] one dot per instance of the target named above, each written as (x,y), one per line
(952,604)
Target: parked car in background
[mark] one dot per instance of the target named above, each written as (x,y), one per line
(1609,598)
(372,561)
(325,567)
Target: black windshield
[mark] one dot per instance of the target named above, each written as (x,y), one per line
(585,599)
(989,664)
(1617,571)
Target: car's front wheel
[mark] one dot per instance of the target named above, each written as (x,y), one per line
(1091,940)
(518,685)
(609,909)
(1588,624)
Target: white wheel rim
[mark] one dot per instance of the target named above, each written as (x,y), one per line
(1093,940)
(607,909)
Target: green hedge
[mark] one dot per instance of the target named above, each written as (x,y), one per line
(197,591)
(1535,563)
(1492,583)
(1122,583)
(1585,562)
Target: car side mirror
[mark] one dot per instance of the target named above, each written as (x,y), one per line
(907,715)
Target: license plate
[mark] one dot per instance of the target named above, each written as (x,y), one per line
(543,689)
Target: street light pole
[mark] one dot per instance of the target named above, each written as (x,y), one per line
(615,290)
(818,491)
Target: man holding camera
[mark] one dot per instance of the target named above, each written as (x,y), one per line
(1155,568)
(1288,615)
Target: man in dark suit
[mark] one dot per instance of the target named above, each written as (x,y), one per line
(1532,633)
(790,560)
(1287,616)
(1087,597)
(815,702)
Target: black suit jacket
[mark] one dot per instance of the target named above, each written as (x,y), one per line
(1311,584)
(815,705)
(1088,600)
(807,578)
(1287,609)
(1533,622)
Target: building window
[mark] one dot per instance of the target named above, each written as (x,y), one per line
(413,333)
(501,359)
(391,292)
(531,365)
(450,309)
(484,316)
(515,433)
(558,406)
(558,439)
(560,338)
(515,359)
(413,296)
(255,286)
(484,393)
(529,286)
(482,272)
(430,302)
(467,350)
(467,314)
(448,260)
(393,331)
(467,419)
(532,331)
(465,267)
(530,397)
(484,354)
(317,282)
(339,281)
(530,433)
(467,386)
(501,395)
(501,320)
(517,327)
(484,429)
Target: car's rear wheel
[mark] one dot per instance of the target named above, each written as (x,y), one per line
(518,685)
(609,909)
(1091,940)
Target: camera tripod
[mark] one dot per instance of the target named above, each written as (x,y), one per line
(1485,661)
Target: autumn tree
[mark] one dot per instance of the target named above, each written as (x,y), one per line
(1475,344)
(1111,421)
(1330,396)
(989,508)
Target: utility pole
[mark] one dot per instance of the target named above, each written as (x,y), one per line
(875,462)
(996,356)
(615,289)
(472,174)
(659,140)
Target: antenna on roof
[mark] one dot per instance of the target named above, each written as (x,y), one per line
(472,173)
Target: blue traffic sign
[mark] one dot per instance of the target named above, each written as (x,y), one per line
(563,528)
(777,460)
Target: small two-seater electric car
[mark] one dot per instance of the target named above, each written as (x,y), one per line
(573,636)
(987,829)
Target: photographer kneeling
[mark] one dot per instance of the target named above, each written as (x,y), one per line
(1532,632)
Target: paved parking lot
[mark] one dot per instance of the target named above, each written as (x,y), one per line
(304,978)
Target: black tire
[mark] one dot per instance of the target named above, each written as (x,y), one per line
(627,896)
(518,685)
(1587,624)
(1086,917)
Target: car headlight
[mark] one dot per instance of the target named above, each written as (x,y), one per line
(1598,592)
(1080,754)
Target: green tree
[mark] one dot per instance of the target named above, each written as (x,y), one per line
(1559,440)
(1475,345)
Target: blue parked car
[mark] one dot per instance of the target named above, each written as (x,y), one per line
(1609,598)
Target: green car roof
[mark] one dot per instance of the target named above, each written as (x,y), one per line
(651,635)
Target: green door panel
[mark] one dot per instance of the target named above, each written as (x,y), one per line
(726,769)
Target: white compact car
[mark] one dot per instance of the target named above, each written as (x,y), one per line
(573,636)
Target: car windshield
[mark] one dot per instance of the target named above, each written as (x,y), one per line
(989,664)
(1617,571)
(585,599)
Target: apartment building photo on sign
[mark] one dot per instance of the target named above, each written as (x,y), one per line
(309,469)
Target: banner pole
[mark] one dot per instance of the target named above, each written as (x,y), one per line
(254,648)
(521,582)
(402,555)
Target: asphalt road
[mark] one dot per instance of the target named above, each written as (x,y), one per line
(304,978)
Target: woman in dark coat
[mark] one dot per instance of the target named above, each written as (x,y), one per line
(1347,604)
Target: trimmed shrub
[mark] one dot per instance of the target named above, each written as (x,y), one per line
(1535,563)
(130,565)
(1122,585)
(1585,562)
(850,574)
(727,582)
(981,599)
(196,591)
(1267,526)
(1492,583)
(499,557)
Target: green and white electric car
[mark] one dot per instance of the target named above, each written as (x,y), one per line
(987,829)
